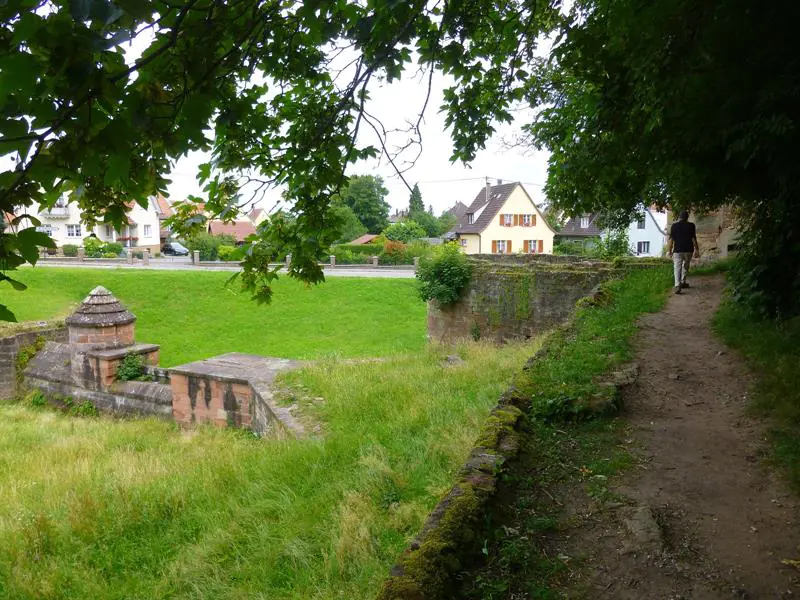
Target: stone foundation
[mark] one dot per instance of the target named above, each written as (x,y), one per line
(9,351)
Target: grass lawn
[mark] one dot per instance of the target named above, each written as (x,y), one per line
(100,508)
(193,315)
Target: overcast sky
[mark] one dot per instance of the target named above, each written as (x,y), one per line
(441,182)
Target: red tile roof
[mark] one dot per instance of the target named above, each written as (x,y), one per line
(238,229)
(163,206)
(364,239)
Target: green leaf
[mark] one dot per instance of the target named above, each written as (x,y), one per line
(7,315)
(17,285)
(117,170)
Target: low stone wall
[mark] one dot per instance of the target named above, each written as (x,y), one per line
(516,296)
(12,344)
(49,372)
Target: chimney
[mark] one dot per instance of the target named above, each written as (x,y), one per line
(488,188)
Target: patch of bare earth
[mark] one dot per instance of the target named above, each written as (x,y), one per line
(700,516)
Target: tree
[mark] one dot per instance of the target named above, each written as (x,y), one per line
(81,117)
(350,226)
(658,101)
(662,101)
(427,221)
(404,231)
(415,204)
(365,195)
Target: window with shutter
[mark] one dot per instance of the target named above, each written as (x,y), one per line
(494,246)
(516,220)
(508,246)
(525,246)
(541,246)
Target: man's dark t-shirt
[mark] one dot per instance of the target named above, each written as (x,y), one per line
(682,233)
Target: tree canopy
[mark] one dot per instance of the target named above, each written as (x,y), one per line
(677,102)
(366,197)
(415,203)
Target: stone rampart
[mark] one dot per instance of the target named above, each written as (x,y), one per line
(517,296)
(10,347)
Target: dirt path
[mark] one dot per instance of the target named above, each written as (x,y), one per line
(701,517)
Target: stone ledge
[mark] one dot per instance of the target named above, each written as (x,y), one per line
(449,536)
(115,353)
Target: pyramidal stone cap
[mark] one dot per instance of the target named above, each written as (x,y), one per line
(100,309)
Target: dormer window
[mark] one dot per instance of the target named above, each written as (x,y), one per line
(470,218)
(585,222)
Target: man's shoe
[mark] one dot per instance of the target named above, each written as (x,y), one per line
(685,285)
(677,289)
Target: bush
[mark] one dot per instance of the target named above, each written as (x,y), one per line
(404,231)
(444,275)
(92,246)
(109,255)
(358,254)
(208,245)
(113,247)
(138,254)
(226,252)
(394,253)
(70,250)
(614,244)
(131,368)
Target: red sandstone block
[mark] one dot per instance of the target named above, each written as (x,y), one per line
(242,389)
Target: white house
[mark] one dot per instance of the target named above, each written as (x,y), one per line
(63,224)
(648,234)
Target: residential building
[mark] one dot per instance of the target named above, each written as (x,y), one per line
(63,223)
(647,235)
(398,215)
(364,239)
(582,231)
(458,210)
(239,230)
(164,211)
(257,216)
(503,219)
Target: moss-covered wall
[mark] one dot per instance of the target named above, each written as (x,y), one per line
(517,296)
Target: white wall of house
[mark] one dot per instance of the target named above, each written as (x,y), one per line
(63,224)
(518,203)
(470,243)
(645,235)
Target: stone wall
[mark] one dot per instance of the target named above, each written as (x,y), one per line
(49,372)
(9,350)
(517,296)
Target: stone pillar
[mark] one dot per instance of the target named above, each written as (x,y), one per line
(81,253)
(288,260)
(416,263)
(333,260)
(196,257)
(130,256)
(101,322)
(374,261)
(146,257)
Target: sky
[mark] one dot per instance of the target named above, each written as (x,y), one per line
(441,182)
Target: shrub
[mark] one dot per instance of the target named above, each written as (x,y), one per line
(92,246)
(208,245)
(36,399)
(404,231)
(109,255)
(138,254)
(614,244)
(444,275)
(113,247)
(226,252)
(394,253)
(131,368)
(70,250)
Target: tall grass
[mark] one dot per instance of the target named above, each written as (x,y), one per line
(102,508)
(772,349)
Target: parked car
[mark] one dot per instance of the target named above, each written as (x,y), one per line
(175,249)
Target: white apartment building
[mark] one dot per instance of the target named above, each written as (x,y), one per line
(63,224)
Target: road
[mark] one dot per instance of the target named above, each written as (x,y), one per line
(184,264)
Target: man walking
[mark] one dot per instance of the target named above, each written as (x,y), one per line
(682,244)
